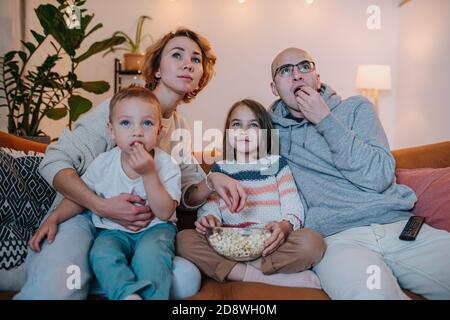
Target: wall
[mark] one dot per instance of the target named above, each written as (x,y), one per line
(424,69)
(247,36)
(10,31)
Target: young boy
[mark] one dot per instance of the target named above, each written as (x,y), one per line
(129,264)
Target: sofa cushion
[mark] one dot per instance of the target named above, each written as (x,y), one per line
(236,290)
(432,187)
(25,197)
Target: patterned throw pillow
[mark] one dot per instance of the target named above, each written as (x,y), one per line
(25,198)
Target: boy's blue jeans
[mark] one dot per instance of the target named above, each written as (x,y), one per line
(135,263)
(50,272)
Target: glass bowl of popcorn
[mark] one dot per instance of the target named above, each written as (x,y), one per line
(239,244)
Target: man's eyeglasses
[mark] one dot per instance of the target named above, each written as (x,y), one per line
(287,70)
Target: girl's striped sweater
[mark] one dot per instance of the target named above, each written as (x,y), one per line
(271,190)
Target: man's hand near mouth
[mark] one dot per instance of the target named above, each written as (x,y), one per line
(311,104)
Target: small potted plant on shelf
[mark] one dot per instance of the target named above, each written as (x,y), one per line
(134,57)
(33,92)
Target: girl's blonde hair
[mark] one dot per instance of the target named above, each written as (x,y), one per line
(137,92)
(153,56)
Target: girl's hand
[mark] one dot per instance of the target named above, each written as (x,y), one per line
(230,190)
(206,221)
(47,229)
(280,232)
(141,161)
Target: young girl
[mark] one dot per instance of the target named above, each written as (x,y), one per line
(273,201)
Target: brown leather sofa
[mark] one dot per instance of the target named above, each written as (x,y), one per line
(427,156)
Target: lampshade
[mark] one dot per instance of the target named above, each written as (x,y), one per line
(374,76)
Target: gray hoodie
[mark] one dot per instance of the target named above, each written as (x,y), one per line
(342,166)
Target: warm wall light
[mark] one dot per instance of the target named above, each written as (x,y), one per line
(372,78)
(241,1)
(309,1)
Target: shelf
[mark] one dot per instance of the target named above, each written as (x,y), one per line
(119,73)
(130,72)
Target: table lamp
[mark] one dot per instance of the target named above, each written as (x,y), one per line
(372,78)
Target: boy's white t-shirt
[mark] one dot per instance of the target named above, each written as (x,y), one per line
(107,179)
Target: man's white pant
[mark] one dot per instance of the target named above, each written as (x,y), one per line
(373,263)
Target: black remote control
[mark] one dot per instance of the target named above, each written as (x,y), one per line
(412,228)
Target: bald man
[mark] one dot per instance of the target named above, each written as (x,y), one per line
(344,171)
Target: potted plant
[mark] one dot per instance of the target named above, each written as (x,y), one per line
(134,57)
(33,92)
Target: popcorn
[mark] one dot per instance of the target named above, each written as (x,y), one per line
(240,244)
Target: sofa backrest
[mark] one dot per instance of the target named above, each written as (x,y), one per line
(429,156)
(435,155)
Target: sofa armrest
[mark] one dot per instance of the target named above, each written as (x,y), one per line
(13,142)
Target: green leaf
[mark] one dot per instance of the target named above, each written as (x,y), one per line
(72,77)
(100,46)
(50,62)
(81,2)
(56,113)
(138,36)
(13,66)
(53,23)
(31,47)
(129,41)
(85,20)
(97,87)
(9,56)
(39,38)
(97,26)
(23,56)
(77,84)
(52,20)
(78,105)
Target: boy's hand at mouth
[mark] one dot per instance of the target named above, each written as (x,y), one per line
(141,161)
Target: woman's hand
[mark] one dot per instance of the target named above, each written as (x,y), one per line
(230,190)
(280,232)
(206,221)
(121,210)
(141,161)
(48,229)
